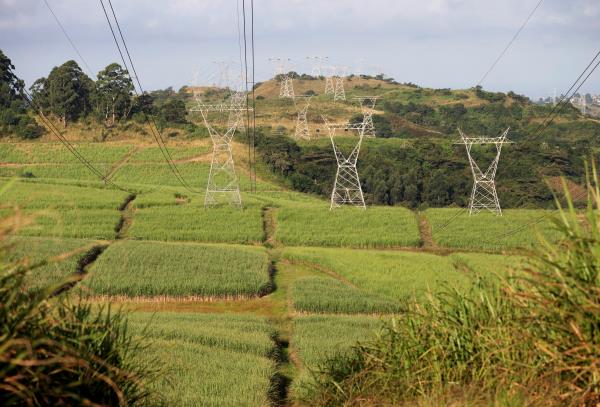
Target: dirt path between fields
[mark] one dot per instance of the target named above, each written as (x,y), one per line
(425,232)
(119,164)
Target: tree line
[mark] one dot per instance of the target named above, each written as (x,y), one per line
(68,94)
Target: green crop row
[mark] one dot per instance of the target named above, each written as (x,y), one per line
(318,337)
(34,251)
(316,225)
(99,224)
(210,360)
(515,228)
(195,223)
(392,274)
(133,268)
(48,196)
(327,295)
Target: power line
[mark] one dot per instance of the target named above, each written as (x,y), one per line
(246,88)
(545,123)
(564,99)
(148,118)
(48,123)
(510,42)
(62,28)
(581,193)
(253,97)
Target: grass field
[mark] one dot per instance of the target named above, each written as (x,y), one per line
(318,337)
(132,268)
(327,295)
(316,225)
(56,153)
(97,224)
(47,196)
(207,272)
(395,275)
(154,154)
(211,360)
(488,231)
(195,223)
(33,250)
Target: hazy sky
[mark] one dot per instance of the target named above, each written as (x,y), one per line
(436,43)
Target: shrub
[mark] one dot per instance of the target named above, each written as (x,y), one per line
(532,337)
(57,351)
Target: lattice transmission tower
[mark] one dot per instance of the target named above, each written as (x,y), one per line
(367,105)
(339,93)
(302,104)
(346,188)
(317,65)
(282,69)
(329,87)
(483,195)
(223,184)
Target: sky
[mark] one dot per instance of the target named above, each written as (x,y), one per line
(433,43)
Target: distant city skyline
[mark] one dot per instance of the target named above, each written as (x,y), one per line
(436,43)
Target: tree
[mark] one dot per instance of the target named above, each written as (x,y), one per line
(113,93)
(174,111)
(11,87)
(14,118)
(67,92)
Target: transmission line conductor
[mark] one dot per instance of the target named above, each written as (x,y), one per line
(223,184)
(346,188)
(302,104)
(367,105)
(483,194)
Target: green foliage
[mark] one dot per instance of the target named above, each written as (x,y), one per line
(56,351)
(214,360)
(13,108)
(113,97)
(514,229)
(393,275)
(318,338)
(312,224)
(473,348)
(37,250)
(173,111)
(66,93)
(151,269)
(195,223)
(68,223)
(327,295)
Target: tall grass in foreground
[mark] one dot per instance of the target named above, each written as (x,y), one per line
(54,351)
(533,340)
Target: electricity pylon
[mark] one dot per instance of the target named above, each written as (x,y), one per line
(236,114)
(339,93)
(282,69)
(224,68)
(329,88)
(222,183)
(346,189)
(317,64)
(367,105)
(302,131)
(483,195)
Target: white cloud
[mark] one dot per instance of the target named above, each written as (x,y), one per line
(434,42)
